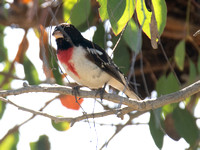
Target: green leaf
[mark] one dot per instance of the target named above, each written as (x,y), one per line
(160,86)
(172,83)
(198,65)
(60,126)
(2,108)
(168,109)
(103,10)
(144,16)
(192,72)
(80,12)
(99,36)
(3,50)
(121,56)
(67,9)
(166,85)
(132,36)
(10,142)
(155,129)
(42,144)
(55,69)
(120,12)
(180,54)
(185,125)
(6,69)
(31,74)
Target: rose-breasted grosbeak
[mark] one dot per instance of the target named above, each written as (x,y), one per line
(86,62)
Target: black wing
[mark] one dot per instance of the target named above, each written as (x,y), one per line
(101,59)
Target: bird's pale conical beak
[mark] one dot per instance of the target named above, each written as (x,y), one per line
(57,34)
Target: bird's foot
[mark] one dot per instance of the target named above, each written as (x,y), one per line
(101,92)
(75,91)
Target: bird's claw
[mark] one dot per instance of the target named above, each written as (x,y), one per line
(75,91)
(101,92)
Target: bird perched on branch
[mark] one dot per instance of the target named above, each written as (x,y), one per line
(87,63)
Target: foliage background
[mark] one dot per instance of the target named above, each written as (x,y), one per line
(171,66)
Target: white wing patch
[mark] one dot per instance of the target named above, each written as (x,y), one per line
(94,51)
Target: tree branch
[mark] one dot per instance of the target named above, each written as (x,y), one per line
(144,105)
(60,119)
(134,104)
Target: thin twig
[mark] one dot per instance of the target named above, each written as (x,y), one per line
(16,127)
(119,128)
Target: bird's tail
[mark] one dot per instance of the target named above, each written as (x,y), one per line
(129,91)
(127,88)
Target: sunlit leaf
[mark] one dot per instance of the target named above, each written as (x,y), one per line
(67,9)
(61,126)
(31,74)
(121,55)
(120,12)
(22,50)
(132,36)
(103,10)
(180,54)
(185,125)
(144,16)
(70,101)
(168,109)
(10,142)
(99,36)
(156,129)
(42,144)
(80,12)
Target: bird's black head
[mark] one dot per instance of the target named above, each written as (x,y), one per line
(67,33)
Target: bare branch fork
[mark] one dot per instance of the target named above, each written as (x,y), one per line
(131,104)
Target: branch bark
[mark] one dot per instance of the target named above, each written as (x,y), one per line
(137,105)
(131,104)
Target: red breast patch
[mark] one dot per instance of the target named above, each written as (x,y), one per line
(64,56)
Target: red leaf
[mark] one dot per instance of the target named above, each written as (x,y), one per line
(70,101)
(25,1)
(22,50)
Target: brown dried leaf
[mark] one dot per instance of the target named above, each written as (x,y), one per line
(44,52)
(170,128)
(154,30)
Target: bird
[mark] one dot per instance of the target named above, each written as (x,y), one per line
(87,63)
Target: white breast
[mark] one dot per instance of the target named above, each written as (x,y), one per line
(90,74)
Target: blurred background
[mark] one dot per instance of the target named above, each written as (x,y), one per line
(153,43)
